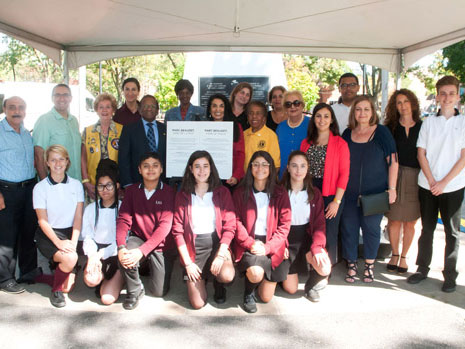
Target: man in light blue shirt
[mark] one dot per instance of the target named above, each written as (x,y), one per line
(186,111)
(18,221)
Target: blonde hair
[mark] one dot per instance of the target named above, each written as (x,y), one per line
(374,116)
(105,97)
(59,149)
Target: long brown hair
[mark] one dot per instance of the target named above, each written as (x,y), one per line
(286,181)
(374,115)
(188,180)
(393,115)
(247,181)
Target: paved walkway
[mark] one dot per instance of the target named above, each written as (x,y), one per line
(389,313)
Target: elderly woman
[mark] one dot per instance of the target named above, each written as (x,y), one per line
(277,114)
(99,141)
(373,170)
(403,120)
(292,131)
(219,109)
(186,111)
(240,98)
(129,111)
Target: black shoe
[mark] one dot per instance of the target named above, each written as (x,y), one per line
(12,287)
(220,292)
(30,277)
(313,295)
(57,299)
(250,305)
(448,286)
(131,301)
(416,278)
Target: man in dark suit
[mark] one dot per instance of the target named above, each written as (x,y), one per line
(141,137)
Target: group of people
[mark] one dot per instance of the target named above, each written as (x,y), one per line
(299,193)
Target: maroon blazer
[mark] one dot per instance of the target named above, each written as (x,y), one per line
(278,224)
(317,224)
(225,219)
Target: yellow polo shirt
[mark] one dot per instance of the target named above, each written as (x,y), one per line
(264,139)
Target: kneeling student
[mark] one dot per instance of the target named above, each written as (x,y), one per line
(147,214)
(99,235)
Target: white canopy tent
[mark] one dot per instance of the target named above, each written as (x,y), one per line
(390,34)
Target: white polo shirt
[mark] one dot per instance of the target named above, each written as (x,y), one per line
(59,199)
(300,207)
(263,202)
(443,140)
(342,115)
(203,214)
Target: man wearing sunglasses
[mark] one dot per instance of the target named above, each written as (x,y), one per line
(348,87)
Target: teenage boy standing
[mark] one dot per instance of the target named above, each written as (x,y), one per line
(441,153)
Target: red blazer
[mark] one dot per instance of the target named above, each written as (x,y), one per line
(224,216)
(239,155)
(151,220)
(337,164)
(317,224)
(278,224)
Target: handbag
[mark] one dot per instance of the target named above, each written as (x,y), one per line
(373,203)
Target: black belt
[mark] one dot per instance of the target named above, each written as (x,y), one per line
(16,185)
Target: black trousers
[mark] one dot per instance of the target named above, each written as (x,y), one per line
(448,204)
(161,268)
(18,223)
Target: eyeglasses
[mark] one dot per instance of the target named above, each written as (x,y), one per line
(296,104)
(260,164)
(108,187)
(351,85)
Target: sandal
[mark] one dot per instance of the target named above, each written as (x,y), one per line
(351,267)
(402,270)
(393,267)
(368,273)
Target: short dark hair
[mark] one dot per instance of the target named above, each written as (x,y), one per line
(61,85)
(279,87)
(312,130)
(188,180)
(447,80)
(106,168)
(150,155)
(147,97)
(348,75)
(182,84)
(134,80)
(256,104)
(247,181)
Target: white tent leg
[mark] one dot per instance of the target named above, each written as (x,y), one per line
(65,68)
(384,90)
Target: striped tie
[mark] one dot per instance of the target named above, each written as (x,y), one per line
(151,137)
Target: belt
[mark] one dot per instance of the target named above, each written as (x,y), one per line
(17,185)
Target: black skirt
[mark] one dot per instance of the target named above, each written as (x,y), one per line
(250,260)
(206,246)
(46,246)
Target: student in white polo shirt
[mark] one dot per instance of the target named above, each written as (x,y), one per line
(58,200)
(441,154)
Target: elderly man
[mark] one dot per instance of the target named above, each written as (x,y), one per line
(348,87)
(58,126)
(17,217)
(140,137)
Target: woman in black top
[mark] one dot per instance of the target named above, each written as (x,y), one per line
(403,119)
(277,114)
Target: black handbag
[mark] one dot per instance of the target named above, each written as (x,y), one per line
(373,203)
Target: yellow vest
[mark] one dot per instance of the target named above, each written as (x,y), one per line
(93,151)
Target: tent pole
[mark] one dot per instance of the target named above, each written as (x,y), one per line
(65,68)
(384,90)
(100,76)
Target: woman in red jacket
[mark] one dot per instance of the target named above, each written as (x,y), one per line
(307,229)
(204,225)
(263,216)
(329,160)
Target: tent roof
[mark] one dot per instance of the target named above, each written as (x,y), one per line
(376,32)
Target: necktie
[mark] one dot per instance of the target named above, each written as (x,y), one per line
(151,137)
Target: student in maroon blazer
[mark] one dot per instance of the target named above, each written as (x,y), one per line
(263,216)
(147,214)
(307,237)
(329,160)
(203,228)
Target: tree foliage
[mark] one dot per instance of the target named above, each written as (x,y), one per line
(455,60)
(430,74)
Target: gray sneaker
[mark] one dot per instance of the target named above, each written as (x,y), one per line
(12,287)
(313,295)
(250,305)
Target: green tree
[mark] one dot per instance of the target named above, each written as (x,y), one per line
(455,60)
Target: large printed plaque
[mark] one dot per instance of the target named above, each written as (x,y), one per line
(185,137)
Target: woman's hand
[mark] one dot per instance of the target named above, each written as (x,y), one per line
(286,253)
(232,181)
(217,264)
(258,248)
(193,272)
(331,210)
(392,196)
(90,190)
(94,265)
(437,188)
(66,246)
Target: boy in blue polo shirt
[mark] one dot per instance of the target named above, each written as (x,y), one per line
(441,153)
